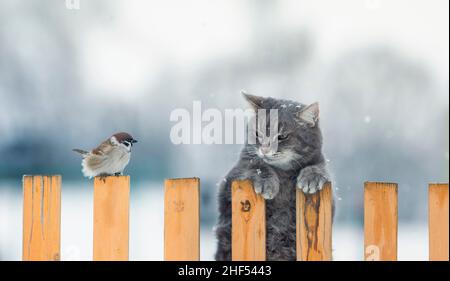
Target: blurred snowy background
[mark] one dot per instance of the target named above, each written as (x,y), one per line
(70,78)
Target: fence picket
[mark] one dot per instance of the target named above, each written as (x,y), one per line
(41,218)
(314,225)
(111,218)
(438,221)
(380,221)
(248,223)
(182,220)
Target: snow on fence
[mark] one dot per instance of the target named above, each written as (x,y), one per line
(42,220)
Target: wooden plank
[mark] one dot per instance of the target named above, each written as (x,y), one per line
(314,225)
(248,223)
(41,218)
(182,220)
(380,221)
(111,218)
(438,222)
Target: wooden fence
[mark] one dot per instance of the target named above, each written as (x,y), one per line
(42,221)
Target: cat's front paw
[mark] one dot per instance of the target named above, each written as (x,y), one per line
(311,180)
(267,187)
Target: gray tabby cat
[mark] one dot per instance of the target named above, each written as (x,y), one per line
(298,162)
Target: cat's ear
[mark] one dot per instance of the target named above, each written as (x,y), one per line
(310,114)
(255,101)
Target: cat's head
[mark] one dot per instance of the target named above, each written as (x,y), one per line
(299,139)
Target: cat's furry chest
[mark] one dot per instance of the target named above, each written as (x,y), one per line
(280,220)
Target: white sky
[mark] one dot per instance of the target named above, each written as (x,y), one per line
(145,36)
(416,27)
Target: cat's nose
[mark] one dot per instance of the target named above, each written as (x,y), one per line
(265,150)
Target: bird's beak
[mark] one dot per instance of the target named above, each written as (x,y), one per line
(134,141)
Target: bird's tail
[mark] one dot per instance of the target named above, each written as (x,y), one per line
(82,152)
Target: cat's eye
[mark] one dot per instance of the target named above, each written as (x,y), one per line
(282,137)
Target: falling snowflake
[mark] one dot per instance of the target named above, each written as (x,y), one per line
(283,106)
(258,171)
(367,119)
(339,198)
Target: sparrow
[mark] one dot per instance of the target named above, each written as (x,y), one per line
(109,158)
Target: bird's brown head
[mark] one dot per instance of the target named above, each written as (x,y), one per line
(125,139)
